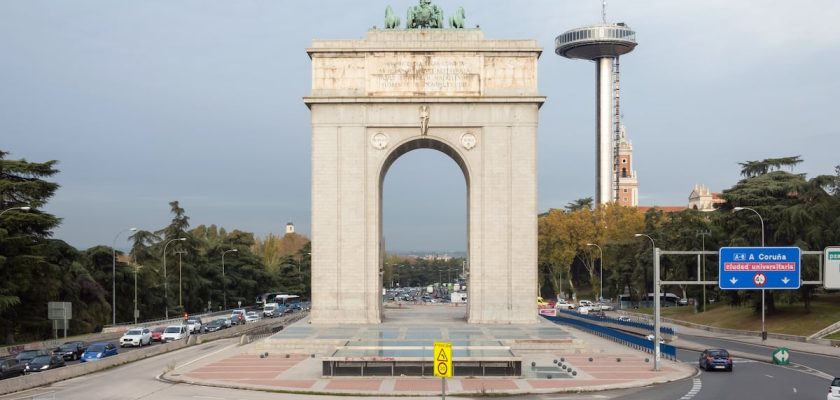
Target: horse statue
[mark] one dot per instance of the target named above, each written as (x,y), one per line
(424,15)
(457,21)
(392,21)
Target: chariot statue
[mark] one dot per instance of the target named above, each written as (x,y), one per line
(424,15)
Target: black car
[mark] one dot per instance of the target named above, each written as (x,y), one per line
(10,368)
(71,350)
(26,356)
(43,363)
(215,325)
(715,359)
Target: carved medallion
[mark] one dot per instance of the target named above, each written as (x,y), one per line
(379,141)
(468,140)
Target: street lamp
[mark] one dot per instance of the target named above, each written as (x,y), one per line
(703,235)
(763,330)
(114,274)
(23,208)
(165,281)
(601,292)
(180,299)
(224,283)
(656,322)
(136,268)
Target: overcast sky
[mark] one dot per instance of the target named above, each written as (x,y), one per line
(144,102)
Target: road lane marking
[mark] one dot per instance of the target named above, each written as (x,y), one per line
(696,385)
(769,376)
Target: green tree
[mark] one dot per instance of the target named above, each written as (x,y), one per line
(28,280)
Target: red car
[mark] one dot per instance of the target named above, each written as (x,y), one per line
(157,334)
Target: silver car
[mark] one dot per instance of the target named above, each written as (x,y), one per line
(136,337)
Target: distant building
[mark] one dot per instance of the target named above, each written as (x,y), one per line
(628,185)
(702,199)
(290,228)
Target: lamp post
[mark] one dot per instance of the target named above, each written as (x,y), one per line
(165,281)
(180,299)
(656,316)
(136,268)
(114,275)
(703,235)
(23,208)
(763,329)
(224,282)
(601,291)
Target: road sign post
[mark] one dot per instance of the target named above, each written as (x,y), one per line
(442,355)
(781,356)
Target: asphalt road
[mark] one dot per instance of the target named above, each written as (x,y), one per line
(805,379)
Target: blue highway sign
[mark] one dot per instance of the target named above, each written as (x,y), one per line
(759,268)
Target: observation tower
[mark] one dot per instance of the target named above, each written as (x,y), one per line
(602,43)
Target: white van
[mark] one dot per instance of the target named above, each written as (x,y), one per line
(175,332)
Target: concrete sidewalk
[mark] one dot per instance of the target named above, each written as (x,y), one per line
(599,365)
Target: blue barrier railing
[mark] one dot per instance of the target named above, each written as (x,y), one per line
(626,339)
(634,324)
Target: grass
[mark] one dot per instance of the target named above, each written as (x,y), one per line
(789,319)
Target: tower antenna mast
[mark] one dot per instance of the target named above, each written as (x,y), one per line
(604,11)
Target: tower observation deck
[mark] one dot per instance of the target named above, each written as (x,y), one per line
(602,43)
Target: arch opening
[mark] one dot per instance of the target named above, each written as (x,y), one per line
(428,210)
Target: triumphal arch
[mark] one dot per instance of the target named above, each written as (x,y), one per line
(424,86)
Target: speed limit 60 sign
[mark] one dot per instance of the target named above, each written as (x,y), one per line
(443,359)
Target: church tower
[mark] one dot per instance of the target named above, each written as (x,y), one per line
(628,186)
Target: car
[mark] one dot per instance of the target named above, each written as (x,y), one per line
(715,359)
(10,368)
(43,363)
(834,390)
(252,316)
(682,302)
(541,303)
(598,313)
(24,357)
(175,332)
(136,337)
(193,324)
(157,333)
(603,307)
(215,325)
(623,318)
(98,351)
(239,313)
(562,304)
(650,338)
(71,351)
(584,310)
(585,303)
(274,310)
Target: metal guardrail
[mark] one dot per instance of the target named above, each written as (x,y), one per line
(632,324)
(626,339)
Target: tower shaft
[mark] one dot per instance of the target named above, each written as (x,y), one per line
(604,143)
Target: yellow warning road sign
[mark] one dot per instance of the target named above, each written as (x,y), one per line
(443,359)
